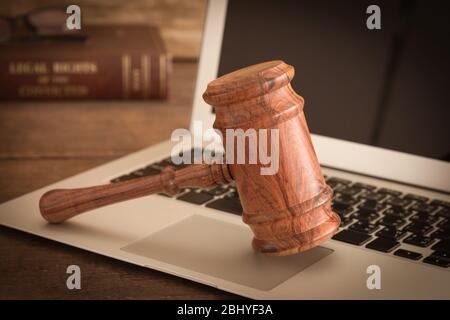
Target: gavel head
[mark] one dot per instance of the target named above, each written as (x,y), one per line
(287,206)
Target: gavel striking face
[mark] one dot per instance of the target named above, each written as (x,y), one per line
(289,211)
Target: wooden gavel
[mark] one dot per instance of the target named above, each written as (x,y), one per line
(288,211)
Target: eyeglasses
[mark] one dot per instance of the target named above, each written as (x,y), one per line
(43,23)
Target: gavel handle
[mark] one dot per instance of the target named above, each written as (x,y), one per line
(57,206)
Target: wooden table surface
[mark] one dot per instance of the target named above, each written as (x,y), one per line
(41,143)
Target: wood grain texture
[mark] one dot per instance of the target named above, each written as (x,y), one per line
(58,205)
(288,211)
(180,22)
(41,143)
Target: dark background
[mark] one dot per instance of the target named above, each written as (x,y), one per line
(388,87)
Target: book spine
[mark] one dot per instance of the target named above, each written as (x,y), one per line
(46,77)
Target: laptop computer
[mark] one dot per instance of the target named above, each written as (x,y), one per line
(388,166)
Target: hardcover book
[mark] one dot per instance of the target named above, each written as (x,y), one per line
(114,62)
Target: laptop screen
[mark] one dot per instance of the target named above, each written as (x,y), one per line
(384,87)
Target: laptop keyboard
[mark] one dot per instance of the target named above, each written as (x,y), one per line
(380,219)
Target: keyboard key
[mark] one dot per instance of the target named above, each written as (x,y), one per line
(390,192)
(443,245)
(398,202)
(441,203)
(345,222)
(437,261)
(369,195)
(444,213)
(418,228)
(342,199)
(441,254)
(416,197)
(196,197)
(444,224)
(441,234)
(348,191)
(372,205)
(398,212)
(365,215)
(418,240)
(391,232)
(227,204)
(423,217)
(383,244)
(364,186)
(341,205)
(364,227)
(408,254)
(352,237)
(338,180)
(423,207)
(217,190)
(392,221)
(342,212)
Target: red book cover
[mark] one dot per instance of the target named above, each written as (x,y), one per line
(114,62)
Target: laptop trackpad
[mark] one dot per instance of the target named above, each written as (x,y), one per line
(222,250)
